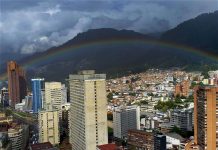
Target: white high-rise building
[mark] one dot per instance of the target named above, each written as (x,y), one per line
(125,118)
(53,95)
(48,121)
(88,111)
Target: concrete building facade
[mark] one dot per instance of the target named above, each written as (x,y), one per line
(53,95)
(205,117)
(19,135)
(88,111)
(125,118)
(48,121)
(182,119)
(141,139)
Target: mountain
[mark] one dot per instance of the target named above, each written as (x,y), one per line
(118,52)
(200,32)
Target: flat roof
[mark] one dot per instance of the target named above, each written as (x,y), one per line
(41,146)
(107,147)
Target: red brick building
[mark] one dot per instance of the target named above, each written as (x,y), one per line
(182,89)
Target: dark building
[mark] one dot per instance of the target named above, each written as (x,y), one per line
(4,97)
(64,126)
(16,83)
(159,142)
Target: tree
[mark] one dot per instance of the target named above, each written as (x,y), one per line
(110,131)
(110,116)
(205,74)
(150,94)
(183,97)
(186,105)
(132,94)
(178,100)
(8,112)
(110,96)
(130,87)
(144,102)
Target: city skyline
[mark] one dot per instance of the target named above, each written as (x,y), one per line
(109,75)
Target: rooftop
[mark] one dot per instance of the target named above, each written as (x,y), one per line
(175,135)
(107,147)
(41,146)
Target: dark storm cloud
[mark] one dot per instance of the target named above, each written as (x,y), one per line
(29,26)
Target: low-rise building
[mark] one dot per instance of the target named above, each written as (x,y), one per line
(18,134)
(125,118)
(159,142)
(2,114)
(5,143)
(49,126)
(173,140)
(182,119)
(141,139)
(6,119)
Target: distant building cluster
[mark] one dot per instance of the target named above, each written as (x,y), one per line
(153,110)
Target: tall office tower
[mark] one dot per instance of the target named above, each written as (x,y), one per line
(16,83)
(53,95)
(48,121)
(37,86)
(205,117)
(125,118)
(88,111)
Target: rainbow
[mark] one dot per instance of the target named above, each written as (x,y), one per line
(51,55)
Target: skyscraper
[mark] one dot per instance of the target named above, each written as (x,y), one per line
(205,117)
(88,111)
(53,95)
(37,87)
(16,83)
(48,121)
(124,119)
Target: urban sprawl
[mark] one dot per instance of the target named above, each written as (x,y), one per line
(152,110)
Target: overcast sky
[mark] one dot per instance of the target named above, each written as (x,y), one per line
(27,26)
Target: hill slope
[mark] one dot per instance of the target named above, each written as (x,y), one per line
(120,51)
(200,32)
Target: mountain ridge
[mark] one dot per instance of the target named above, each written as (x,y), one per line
(130,55)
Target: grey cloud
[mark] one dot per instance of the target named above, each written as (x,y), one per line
(30,26)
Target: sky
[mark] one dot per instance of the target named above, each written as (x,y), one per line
(28,26)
